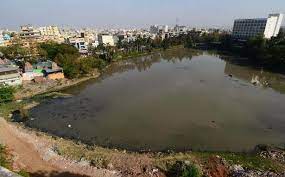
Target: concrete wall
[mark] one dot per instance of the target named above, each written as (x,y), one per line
(55,76)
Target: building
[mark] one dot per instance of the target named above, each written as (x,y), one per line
(41,71)
(50,70)
(10,75)
(52,31)
(1,38)
(266,27)
(28,32)
(180,29)
(106,39)
(79,43)
(29,38)
(156,29)
(4,38)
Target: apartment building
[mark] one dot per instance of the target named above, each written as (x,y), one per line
(29,32)
(79,43)
(155,29)
(266,27)
(106,39)
(52,31)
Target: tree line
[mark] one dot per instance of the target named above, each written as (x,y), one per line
(270,53)
(267,53)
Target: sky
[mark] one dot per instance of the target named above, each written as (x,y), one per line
(133,13)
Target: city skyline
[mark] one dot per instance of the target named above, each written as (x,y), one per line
(129,13)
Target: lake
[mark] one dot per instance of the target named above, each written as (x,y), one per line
(179,99)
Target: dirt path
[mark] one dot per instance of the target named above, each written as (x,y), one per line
(34,154)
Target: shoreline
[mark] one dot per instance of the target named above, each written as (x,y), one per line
(64,155)
(118,161)
(55,88)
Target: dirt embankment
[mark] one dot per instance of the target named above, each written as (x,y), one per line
(31,89)
(34,154)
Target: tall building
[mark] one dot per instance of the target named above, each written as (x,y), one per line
(106,39)
(28,32)
(52,31)
(267,27)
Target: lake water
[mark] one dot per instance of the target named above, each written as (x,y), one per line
(177,100)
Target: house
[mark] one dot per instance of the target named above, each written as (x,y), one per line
(9,75)
(41,70)
(30,73)
(50,70)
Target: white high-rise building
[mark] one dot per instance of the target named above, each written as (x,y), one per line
(267,27)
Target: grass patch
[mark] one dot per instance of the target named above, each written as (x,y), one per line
(251,161)
(8,108)
(4,158)
(6,162)
(97,156)
(23,173)
(164,161)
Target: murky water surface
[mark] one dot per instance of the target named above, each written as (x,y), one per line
(172,100)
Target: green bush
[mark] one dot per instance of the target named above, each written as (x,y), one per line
(180,169)
(6,94)
(87,64)
(24,173)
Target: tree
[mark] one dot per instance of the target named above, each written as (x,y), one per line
(189,42)
(226,41)
(6,94)
(14,51)
(53,49)
(255,48)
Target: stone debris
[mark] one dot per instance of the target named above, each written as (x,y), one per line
(7,173)
(253,173)
(274,155)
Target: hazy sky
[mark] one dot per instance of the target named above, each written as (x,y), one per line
(133,13)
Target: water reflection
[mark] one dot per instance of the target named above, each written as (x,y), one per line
(144,63)
(257,77)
